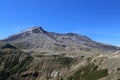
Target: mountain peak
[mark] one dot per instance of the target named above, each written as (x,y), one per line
(35,29)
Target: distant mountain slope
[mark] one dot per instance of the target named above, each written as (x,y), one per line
(37,39)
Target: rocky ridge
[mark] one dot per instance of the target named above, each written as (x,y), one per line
(39,40)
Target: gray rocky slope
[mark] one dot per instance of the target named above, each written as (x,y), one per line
(38,40)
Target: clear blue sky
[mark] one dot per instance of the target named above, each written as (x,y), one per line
(98,19)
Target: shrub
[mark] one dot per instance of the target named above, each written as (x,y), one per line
(88,72)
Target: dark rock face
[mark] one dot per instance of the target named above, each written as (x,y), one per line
(8,46)
(38,30)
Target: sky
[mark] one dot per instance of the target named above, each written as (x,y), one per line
(97,19)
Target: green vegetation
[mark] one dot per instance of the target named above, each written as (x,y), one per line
(13,63)
(21,66)
(88,72)
(65,61)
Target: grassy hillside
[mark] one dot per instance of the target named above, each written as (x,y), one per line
(88,72)
(12,63)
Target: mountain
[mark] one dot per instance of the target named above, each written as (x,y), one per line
(36,54)
(39,40)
